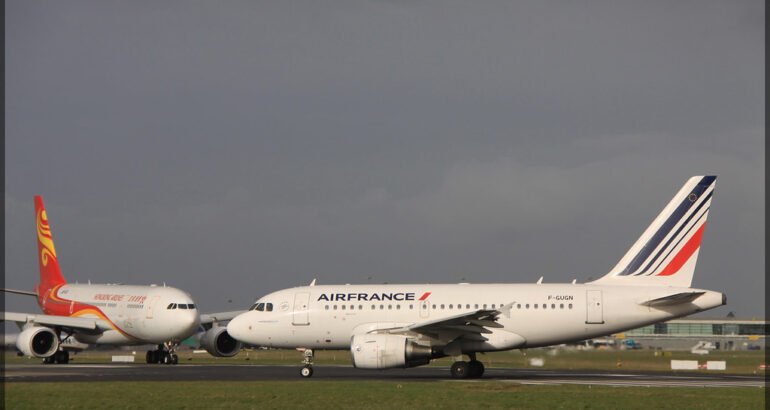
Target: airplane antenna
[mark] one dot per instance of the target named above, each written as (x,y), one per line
(313,282)
(164,284)
(539,281)
(89,281)
(574,281)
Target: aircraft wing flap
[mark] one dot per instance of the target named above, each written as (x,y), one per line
(469,328)
(675,299)
(51,320)
(464,325)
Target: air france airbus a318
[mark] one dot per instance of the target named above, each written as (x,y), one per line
(110,314)
(398,326)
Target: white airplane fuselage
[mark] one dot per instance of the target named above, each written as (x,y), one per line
(132,314)
(326,317)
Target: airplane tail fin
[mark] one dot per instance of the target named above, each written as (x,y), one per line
(50,275)
(666,253)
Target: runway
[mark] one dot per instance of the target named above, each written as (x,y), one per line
(15,372)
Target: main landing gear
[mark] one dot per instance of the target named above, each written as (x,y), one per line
(307,370)
(165,353)
(473,369)
(60,357)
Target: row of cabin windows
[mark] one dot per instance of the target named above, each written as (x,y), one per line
(451,306)
(262,307)
(181,306)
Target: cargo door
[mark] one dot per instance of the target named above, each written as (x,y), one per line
(301,302)
(594,308)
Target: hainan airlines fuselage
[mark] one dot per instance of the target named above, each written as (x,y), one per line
(327,317)
(134,314)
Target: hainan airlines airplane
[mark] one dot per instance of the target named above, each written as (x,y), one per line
(110,314)
(398,326)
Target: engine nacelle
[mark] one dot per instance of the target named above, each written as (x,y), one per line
(219,343)
(382,351)
(37,341)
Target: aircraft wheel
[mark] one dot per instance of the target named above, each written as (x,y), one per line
(61,357)
(150,357)
(174,359)
(460,370)
(50,359)
(306,371)
(165,357)
(476,369)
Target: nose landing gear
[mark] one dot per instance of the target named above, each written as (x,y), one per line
(165,353)
(307,370)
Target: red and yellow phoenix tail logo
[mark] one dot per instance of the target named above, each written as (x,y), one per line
(50,275)
(47,249)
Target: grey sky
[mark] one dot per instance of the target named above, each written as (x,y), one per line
(235,148)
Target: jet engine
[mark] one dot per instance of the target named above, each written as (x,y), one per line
(37,341)
(219,343)
(382,351)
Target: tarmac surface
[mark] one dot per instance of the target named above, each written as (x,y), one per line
(15,372)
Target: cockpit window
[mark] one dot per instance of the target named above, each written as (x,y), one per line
(262,307)
(171,306)
(182,306)
(190,306)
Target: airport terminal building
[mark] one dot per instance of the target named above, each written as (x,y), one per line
(684,334)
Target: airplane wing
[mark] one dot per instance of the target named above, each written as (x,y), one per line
(79,323)
(210,319)
(470,325)
(20,292)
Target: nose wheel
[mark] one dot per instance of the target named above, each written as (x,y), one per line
(165,353)
(307,370)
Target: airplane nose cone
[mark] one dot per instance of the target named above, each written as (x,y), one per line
(238,327)
(187,324)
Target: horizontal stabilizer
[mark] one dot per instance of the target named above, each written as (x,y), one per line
(674,299)
(20,292)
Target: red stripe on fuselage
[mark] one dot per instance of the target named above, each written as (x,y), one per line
(684,255)
(424,296)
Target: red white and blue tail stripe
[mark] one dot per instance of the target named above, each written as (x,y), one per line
(667,251)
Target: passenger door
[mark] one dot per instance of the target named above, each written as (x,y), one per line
(300,316)
(594,308)
(151,306)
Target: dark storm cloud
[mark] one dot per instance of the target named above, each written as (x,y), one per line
(236,149)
